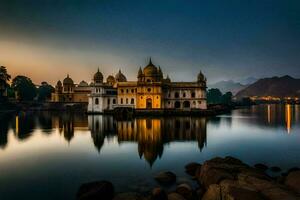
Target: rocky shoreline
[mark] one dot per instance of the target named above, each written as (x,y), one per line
(217,179)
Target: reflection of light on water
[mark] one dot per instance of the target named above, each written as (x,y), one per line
(288,116)
(17,124)
(269,114)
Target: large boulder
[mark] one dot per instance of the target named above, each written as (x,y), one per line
(229,179)
(191,168)
(293,181)
(96,190)
(217,169)
(165,178)
(129,196)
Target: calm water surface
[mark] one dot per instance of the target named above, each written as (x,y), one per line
(48,155)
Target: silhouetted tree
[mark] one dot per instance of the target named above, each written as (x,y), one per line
(4,78)
(44,91)
(227,98)
(24,87)
(214,96)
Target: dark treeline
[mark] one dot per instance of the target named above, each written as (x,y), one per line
(22,88)
(215,96)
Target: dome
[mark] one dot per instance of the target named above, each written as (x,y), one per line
(59,84)
(120,77)
(83,84)
(98,77)
(68,81)
(110,80)
(201,77)
(150,69)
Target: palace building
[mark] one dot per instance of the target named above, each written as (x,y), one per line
(151,91)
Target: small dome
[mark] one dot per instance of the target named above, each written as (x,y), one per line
(59,83)
(83,84)
(68,81)
(110,80)
(201,77)
(98,77)
(168,80)
(120,77)
(150,69)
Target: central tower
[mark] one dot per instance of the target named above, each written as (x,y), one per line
(149,87)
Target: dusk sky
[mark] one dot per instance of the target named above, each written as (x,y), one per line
(46,40)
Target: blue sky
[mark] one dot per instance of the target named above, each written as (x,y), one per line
(225,39)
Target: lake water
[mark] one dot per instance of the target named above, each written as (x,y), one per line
(48,155)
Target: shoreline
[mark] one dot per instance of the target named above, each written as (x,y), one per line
(216,179)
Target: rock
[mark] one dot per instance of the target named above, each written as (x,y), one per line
(293,181)
(165,178)
(129,196)
(159,194)
(200,192)
(213,193)
(175,196)
(261,167)
(275,169)
(185,190)
(217,169)
(293,169)
(191,168)
(233,190)
(96,190)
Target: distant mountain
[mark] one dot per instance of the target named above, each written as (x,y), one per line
(247,81)
(227,86)
(284,86)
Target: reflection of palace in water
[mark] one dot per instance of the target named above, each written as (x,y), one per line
(150,134)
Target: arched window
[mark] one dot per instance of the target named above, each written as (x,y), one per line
(114,101)
(121,100)
(193,95)
(126,90)
(132,101)
(184,94)
(176,94)
(122,91)
(149,89)
(186,104)
(126,101)
(96,101)
(177,104)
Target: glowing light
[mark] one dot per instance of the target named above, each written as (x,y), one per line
(269,114)
(288,116)
(17,124)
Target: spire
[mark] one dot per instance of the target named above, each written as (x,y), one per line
(98,69)
(67,75)
(150,61)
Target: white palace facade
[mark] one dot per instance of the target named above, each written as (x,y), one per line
(151,91)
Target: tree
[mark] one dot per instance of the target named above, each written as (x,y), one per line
(227,98)
(214,96)
(4,79)
(44,91)
(24,88)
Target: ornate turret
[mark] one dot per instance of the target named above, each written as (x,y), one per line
(110,80)
(120,77)
(98,77)
(168,80)
(201,77)
(68,81)
(58,87)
